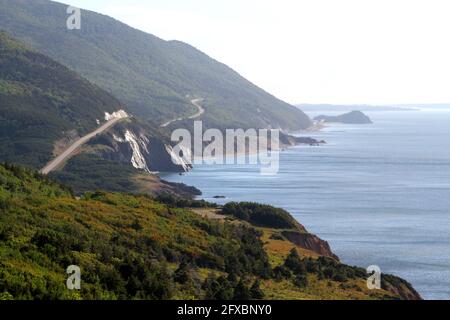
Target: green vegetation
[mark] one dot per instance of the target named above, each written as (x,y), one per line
(152,77)
(40,100)
(261,215)
(173,201)
(44,107)
(88,172)
(136,247)
(125,245)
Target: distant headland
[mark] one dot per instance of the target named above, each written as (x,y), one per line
(354,117)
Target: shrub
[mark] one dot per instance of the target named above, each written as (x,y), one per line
(294,263)
(182,274)
(301,281)
(256,292)
(6,296)
(242,292)
(261,215)
(340,277)
(281,273)
(4,204)
(178,202)
(218,289)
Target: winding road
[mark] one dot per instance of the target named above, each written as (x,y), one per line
(196,103)
(67,154)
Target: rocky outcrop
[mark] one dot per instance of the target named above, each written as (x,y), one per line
(399,287)
(354,117)
(287,140)
(179,190)
(134,145)
(310,242)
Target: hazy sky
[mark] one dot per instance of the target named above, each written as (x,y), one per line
(314,51)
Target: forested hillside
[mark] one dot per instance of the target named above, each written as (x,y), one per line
(155,79)
(137,247)
(44,107)
(41,101)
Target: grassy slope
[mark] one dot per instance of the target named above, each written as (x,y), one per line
(151,76)
(133,247)
(40,100)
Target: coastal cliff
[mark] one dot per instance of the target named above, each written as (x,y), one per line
(310,242)
(284,237)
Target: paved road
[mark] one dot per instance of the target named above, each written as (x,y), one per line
(196,103)
(52,165)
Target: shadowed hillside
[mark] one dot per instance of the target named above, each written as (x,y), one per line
(155,79)
(45,107)
(42,101)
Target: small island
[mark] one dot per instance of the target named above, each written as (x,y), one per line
(354,117)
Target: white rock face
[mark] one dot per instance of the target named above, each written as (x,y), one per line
(184,163)
(137,160)
(138,146)
(144,143)
(116,115)
(118,139)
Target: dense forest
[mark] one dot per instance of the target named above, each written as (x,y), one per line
(138,247)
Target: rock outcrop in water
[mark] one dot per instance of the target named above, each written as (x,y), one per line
(354,117)
(287,140)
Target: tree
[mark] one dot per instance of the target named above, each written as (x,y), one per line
(311,266)
(329,273)
(232,278)
(182,274)
(210,286)
(242,292)
(301,281)
(225,290)
(136,225)
(281,273)
(340,277)
(218,289)
(256,291)
(294,263)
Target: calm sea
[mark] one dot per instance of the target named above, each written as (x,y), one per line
(380,194)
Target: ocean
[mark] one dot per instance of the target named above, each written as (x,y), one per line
(379,194)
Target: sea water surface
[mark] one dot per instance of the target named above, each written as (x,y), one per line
(379,194)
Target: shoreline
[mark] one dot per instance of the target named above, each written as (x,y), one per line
(230,197)
(290,140)
(283,147)
(316,127)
